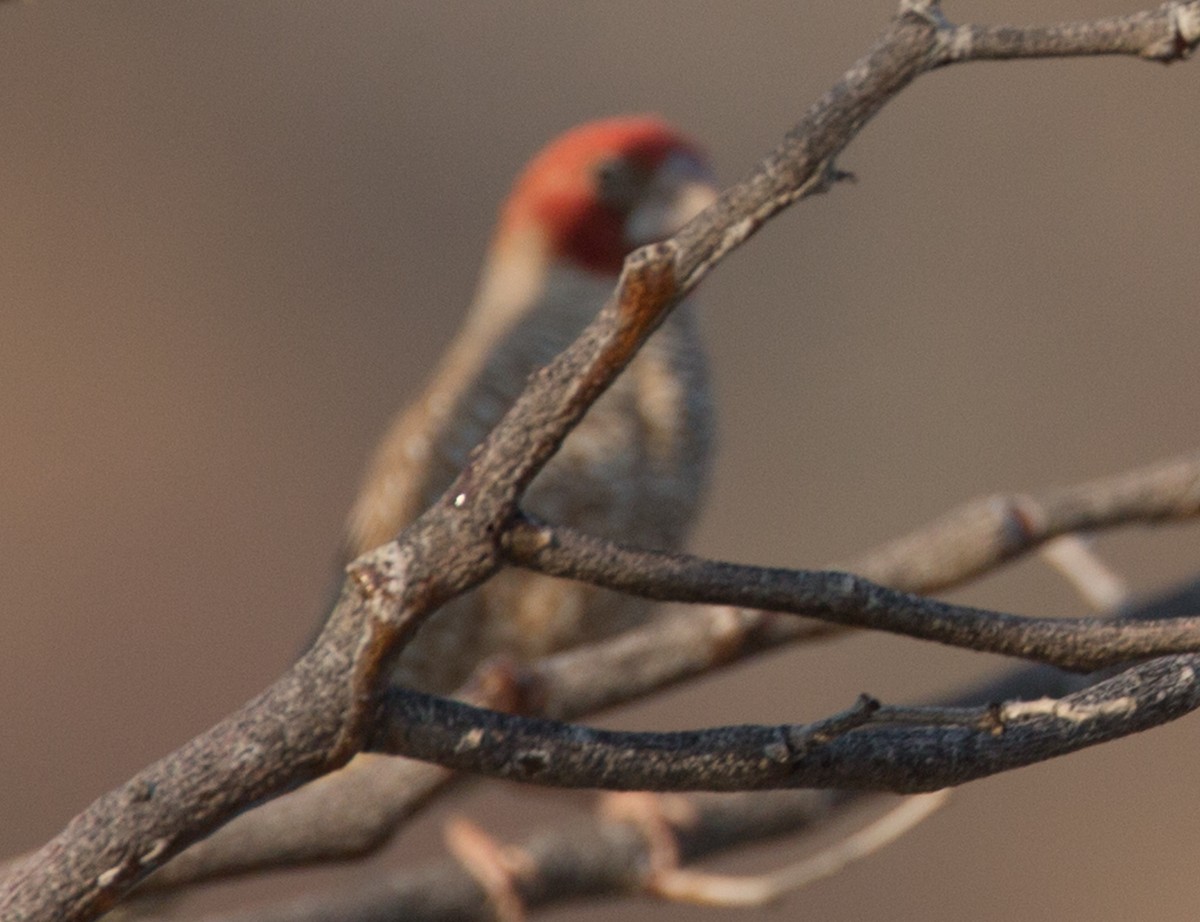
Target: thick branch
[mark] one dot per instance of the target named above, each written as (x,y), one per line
(562,684)
(132,829)
(591,856)
(883,753)
(312,720)
(318,714)
(343,815)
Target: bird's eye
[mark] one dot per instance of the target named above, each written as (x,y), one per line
(617,182)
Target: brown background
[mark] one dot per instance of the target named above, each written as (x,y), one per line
(234,236)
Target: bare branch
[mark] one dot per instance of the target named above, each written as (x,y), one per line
(944,748)
(965,543)
(974,538)
(706,889)
(312,720)
(595,856)
(343,815)
(309,825)
(1080,565)
(1169,33)
(587,858)
(1077,644)
(321,711)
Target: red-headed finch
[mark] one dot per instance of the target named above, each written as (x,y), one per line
(634,468)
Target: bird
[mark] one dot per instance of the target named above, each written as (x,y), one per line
(635,467)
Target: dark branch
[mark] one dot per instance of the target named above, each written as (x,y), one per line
(319,714)
(888,753)
(591,856)
(1077,644)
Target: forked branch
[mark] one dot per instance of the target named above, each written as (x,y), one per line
(331,703)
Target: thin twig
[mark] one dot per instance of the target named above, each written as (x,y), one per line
(1074,558)
(704,888)
(1077,644)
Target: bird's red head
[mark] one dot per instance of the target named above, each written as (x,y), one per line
(605,188)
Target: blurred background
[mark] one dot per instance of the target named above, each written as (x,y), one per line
(235,236)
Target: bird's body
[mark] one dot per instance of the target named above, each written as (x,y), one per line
(634,468)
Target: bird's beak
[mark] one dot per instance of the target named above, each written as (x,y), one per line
(678,191)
